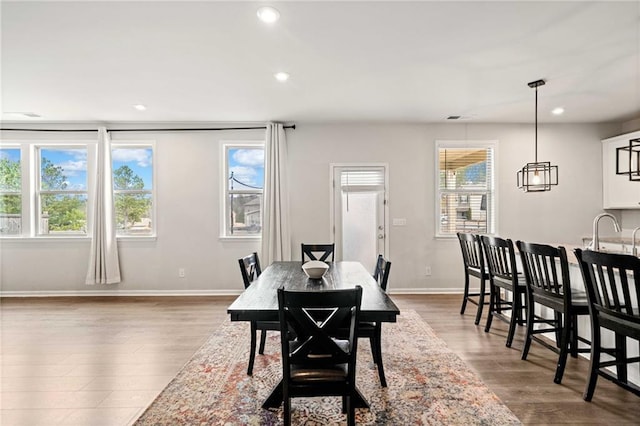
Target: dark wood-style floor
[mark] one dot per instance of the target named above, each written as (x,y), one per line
(101,361)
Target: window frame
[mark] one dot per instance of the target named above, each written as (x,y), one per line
(30,171)
(38,192)
(23,184)
(133,144)
(492,191)
(225,193)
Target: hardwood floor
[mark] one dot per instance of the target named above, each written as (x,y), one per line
(101,361)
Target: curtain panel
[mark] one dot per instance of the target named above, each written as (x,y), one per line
(104,266)
(276,233)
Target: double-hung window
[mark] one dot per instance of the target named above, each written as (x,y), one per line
(61,190)
(243,187)
(465,187)
(45,188)
(133,189)
(10,191)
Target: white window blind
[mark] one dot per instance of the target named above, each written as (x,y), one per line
(465,189)
(362,180)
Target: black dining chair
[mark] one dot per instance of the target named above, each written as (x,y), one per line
(613,291)
(546,271)
(473,261)
(316,360)
(504,280)
(322,252)
(373,330)
(250,270)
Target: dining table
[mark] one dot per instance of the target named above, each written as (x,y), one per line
(259,301)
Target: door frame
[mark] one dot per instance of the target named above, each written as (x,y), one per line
(332,194)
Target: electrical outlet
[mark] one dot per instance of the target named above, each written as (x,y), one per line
(181,273)
(427,271)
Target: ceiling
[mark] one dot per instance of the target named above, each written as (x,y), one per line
(361,61)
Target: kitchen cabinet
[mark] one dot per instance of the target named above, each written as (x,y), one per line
(617,190)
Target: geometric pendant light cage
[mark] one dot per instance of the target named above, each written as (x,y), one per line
(629,156)
(540,175)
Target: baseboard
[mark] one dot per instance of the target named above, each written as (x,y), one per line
(87,293)
(156,293)
(424,291)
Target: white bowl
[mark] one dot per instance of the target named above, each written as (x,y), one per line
(315,269)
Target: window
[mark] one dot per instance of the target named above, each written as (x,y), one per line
(465,187)
(61,190)
(10,192)
(133,189)
(46,188)
(244,182)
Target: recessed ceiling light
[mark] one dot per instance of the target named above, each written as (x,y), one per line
(268,14)
(557,111)
(281,76)
(17,114)
(140,107)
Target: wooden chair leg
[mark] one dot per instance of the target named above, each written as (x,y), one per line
(480,301)
(492,307)
(351,412)
(252,350)
(466,293)
(594,364)
(564,349)
(515,319)
(522,304)
(621,355)
(573,335)
(557,317)
(527,339)
(286,405)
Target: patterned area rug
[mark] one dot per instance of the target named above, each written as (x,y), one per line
(428,385)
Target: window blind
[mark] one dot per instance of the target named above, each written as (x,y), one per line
(362,180)
(466,190)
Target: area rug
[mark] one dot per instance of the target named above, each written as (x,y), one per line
(427,385)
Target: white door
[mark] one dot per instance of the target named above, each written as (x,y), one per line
(359,212)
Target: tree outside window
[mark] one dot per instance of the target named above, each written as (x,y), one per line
(62,192)
(133,189)
(10,192)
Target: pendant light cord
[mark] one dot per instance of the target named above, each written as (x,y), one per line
(536,141)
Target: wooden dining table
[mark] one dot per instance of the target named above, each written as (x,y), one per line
(259,301)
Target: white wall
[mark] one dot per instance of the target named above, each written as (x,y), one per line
(188,194)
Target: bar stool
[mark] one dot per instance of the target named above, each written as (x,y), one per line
(504,277)
(473,259)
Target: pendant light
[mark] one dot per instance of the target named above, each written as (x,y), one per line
(630,155)
(540,175)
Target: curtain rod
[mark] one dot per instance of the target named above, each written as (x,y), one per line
(195,129)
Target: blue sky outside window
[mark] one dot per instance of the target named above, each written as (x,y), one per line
(247,165)
(139,160)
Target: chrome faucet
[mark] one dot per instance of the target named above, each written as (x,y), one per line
(634,250)
(595,243)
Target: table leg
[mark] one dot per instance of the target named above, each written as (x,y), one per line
(274,400)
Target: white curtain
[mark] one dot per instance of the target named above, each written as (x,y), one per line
(276,234)
(104,267)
